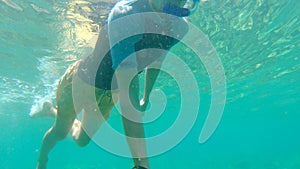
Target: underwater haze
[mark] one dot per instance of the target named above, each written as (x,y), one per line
(258,43)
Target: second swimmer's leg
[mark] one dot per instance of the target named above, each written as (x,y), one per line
(92,119)
(64,118)
(56,133)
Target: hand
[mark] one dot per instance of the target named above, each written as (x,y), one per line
(143,104)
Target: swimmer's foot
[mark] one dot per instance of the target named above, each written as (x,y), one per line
(47,110)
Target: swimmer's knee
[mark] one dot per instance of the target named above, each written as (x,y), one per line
(83,143)
(83,139)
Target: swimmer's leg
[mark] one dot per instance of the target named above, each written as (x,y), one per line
(65,117)
(92,119)
(56,133)
(87,128)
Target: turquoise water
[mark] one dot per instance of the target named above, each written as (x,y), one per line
(257,41)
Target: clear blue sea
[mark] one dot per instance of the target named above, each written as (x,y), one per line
(258,43)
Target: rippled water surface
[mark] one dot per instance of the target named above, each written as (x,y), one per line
(258,43)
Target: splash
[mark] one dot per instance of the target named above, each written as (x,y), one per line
(42,109)
(50,70)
